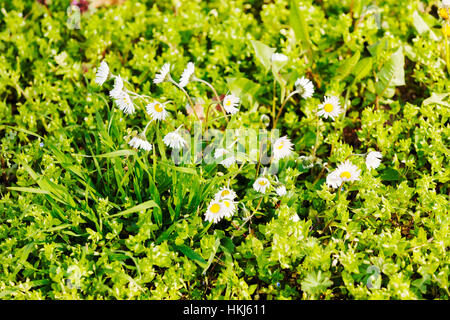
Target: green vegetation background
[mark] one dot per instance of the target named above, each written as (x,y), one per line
(119,226)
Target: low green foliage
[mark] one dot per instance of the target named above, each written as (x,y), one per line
(85,216)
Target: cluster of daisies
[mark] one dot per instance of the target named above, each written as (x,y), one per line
(224,203)
(348,172)
(157,111)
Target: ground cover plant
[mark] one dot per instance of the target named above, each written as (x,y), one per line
(224,149)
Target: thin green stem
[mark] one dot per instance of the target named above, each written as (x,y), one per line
(215,94)
(282,106)
(187,96)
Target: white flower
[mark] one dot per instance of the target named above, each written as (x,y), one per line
(333,180)
(446,3)
(261,185)
(281,191)
(187,74)
(225,193)
(230,102)
(282,148)
(220,152)
(330,107)
(279,57)
(117,89)
(157,110)
(294,218)
(140,143)
(124,102)
(373,159)
(174,140)
(348,171)
(216,211)
(163,75)
(229,207)
(102,73)
(227,162)
(305,87)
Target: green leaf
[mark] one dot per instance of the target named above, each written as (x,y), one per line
(299,25)
(392,73)
(362,68)
(390,174)
(315,283)
(437,98)
(32,190)
(191,254)
(263,53)
(422,27)
(140,207)
(347,67)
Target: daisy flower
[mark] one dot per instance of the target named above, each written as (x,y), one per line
(174,140)
(304,87)
(229,207)
(124,102)
(279,57)
(164,74)
(117,89)
(333,180)
(102,73)
(187,74)
(282,148)
(230,102)
(157,110)
(281,191)
(215,212)
(261,185)
(225,193)
(348,171)
(446,3)
(330,107)
(373,159)
(220,152)
(227,162)
(140,143)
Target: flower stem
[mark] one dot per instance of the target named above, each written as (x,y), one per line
(215,93)
(187,96)
(282,106)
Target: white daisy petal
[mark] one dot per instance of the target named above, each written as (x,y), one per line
(163,75)
(348,171)
(187,74)
(305,87)
(140,143)
(261,185)
(330,107)
(227,162)
(157,110)
(230,102)
(102,73)
(373,159)
(215,212)
(282,148)
(281,191)
(125,103)
(220,152)
(279,57)
(229,207)
(117,89)
(174,140)
(225,193)
(333,180)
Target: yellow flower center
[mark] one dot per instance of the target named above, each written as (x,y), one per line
(280,145)
(158,107)
(262,182)
(443,12)
(346,175)
(215,208)
(227,203)
(228,103)
(224,193)
(328,107)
